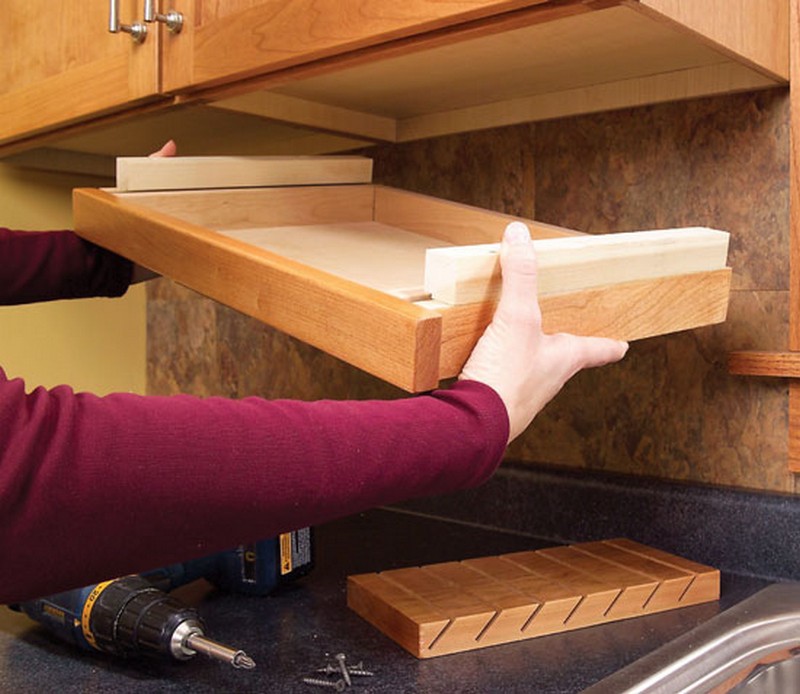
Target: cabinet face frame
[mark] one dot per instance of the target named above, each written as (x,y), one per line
(411,344)
(98,73)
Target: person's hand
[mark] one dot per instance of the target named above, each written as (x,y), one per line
(168,149)
(525,366)
(142,274)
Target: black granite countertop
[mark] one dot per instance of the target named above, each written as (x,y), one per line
(292,633)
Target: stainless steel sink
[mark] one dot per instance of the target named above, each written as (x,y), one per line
(753,647)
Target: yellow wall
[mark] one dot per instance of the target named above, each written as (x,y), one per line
(95,345)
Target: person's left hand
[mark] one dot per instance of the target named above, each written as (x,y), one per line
(142,274)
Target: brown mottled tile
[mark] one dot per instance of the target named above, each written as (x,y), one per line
(719,162)
(181,341)
(493,169)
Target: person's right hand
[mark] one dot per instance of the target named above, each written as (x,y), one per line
(522,364)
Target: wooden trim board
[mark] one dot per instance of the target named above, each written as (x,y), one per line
(186,173)
(465,605)
(767,364)
(627,311)
(468,274)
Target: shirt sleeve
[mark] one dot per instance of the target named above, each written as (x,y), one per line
(46,265)
(96,487)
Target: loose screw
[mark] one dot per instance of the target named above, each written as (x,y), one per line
(339,685)
(357,670)
(340,658)
(361,673)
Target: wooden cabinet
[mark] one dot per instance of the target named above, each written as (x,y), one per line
(539,62)
(66,67)
(62,66)
(380,70)
(230,40)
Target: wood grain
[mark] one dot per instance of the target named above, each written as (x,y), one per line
(187,173)
(761,40)
(267,36)
(770,364)
(626,311)
(293,258)
(458,606)
(468,274)
(381,334)
(65,66)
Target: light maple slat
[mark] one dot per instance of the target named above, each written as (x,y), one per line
(381,334)
(626,311)
(468,274)
(458,606)
(769,364)
(187,173)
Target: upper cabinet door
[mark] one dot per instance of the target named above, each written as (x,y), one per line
(235,39)
(61,64)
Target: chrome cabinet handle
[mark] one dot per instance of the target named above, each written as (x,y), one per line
(138,31)
(172,20)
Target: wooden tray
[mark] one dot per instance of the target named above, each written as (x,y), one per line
(342,267)
(458,606)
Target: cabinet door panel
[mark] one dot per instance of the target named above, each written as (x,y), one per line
(61,64)
(243,38)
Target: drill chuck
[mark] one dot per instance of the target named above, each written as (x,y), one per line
(129,616)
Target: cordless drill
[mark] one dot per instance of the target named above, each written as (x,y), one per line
(134,615)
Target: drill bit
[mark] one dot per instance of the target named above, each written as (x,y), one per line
(237,658)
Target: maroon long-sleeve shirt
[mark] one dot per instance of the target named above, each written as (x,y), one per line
(96,487)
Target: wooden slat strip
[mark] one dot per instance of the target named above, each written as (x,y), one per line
(468,274)
(186,173)
(770,364)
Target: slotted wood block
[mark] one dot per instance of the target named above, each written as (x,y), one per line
(459,606)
